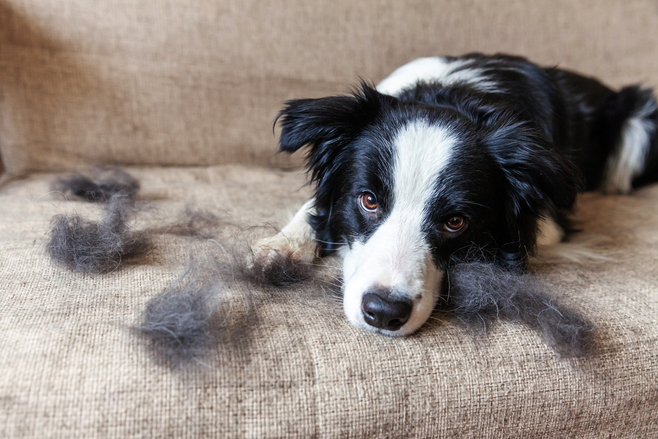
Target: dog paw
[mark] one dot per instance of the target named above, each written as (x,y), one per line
(550,233)
(282,245)
(281,261)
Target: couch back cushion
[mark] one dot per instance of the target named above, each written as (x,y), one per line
(174,82)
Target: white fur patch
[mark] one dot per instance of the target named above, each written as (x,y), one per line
(434,69)
(397,256)
(628,159)
(550,233)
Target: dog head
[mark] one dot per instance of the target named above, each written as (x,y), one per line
(402,187)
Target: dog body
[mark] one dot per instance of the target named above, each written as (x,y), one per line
(448,155)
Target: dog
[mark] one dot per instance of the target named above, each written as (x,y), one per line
(448,154)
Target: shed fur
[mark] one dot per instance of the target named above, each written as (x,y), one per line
(480,292)
(101,185)
(95,247)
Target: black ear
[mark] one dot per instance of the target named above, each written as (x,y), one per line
(328,125)
(539,180)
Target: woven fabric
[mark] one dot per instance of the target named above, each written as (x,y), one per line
(174,82)
(71,367)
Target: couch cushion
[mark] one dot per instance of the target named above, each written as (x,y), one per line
(197,83)
(71,366)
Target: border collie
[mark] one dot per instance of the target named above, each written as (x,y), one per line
(448,154)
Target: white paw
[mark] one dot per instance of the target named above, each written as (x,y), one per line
(270,249)
(550,233)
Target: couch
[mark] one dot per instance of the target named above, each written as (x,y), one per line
(183,94)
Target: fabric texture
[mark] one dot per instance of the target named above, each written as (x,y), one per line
(71,366)
(172,82)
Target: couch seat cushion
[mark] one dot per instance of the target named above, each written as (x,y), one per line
(72,366)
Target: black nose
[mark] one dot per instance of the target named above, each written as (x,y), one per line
(385,313)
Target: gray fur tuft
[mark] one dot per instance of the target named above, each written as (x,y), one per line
(95,247)
(480,292)
(179,321)
(105,184)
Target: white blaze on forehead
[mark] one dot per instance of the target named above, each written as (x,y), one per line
(397,256)
(422,151)
(435,69)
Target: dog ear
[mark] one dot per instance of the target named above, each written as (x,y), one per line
(328,125)
(540,181)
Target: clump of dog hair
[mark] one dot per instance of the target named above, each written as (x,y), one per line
(210,306)
(480,292)
(193,223)
(95,247)
(103,185)
(179,321)
(186,322)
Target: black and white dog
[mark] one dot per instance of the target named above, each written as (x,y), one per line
(451,153)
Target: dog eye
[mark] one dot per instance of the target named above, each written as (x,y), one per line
(455,224)
(368,202)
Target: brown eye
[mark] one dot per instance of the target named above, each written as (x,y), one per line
(454,224)
(368,202)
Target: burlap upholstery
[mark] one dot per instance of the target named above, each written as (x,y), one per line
(71,367)
(178,83)
(174,82)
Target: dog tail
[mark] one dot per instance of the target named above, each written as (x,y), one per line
(630,119)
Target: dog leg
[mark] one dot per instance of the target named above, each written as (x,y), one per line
(550,233)
(296,239)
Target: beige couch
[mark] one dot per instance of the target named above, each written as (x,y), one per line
(185,93)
